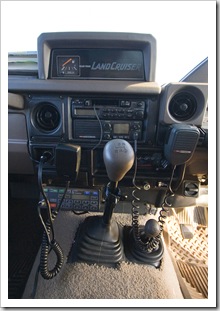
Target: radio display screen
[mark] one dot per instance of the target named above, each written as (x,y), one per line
(97,64)
(121,128)
(84,112)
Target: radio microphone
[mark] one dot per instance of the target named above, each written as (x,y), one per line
(67,159)
(181,143)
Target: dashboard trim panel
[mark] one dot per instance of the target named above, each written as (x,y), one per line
(116,87)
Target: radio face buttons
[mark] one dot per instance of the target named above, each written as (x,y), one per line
(90,129)
(120,110)
(75,199)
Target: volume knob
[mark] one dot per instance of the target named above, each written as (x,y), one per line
(139,114)
(107,126)
(136,127)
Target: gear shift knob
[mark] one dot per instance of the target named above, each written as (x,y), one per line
(118,157)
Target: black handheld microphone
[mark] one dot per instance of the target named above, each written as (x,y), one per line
(181,143)
(68,158)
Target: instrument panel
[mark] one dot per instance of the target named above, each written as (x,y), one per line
(97,64)
(63,106)
(68,66)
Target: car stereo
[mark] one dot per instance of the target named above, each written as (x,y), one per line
(107,118)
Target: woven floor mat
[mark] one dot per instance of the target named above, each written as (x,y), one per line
(191,257)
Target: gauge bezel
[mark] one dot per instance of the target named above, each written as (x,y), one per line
(66,57)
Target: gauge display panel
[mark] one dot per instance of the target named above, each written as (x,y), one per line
(68,66)
(97,64)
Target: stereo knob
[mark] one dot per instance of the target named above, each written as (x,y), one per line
(139,114)
(107,136)
(88,103)
(107,126)
(136,127)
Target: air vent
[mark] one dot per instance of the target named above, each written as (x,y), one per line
(183,106)
(47,117)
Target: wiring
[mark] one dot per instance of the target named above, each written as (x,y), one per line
(169,193)
(29,153)
(43,159)
(79,213)
(136,199)
(101,129)
(48,241)
(46,248)
(148,244)
(183,170)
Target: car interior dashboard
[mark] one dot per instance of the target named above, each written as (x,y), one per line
(92,88)
(91,115)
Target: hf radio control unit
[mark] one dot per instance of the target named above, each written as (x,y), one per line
(111,118)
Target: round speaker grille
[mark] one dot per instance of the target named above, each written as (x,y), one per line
(183,106)
(47,117)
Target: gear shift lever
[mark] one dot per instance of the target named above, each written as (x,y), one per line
(118,158)
(98,239)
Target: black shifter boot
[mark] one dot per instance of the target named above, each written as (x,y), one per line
(98,243)
(98,239)
(145,247)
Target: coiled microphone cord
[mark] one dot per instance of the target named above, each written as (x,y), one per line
(46,247)
(169,194)
(148,244)
(135,208)
(49,243)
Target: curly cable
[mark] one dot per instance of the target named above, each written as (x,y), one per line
(46,248)
(149,244)
(49,243)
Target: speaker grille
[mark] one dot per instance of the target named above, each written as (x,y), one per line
(47,117)
(87,129)
(183,106)
(186,141)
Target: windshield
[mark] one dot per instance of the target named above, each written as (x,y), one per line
(183,30)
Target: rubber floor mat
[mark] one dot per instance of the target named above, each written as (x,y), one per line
(191,256)
(195,275)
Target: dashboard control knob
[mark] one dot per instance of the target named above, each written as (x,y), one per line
(107,136)
(136,127)
(107,126)
(139,114)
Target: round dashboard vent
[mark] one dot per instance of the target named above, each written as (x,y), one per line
(183,106)
(47,117)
